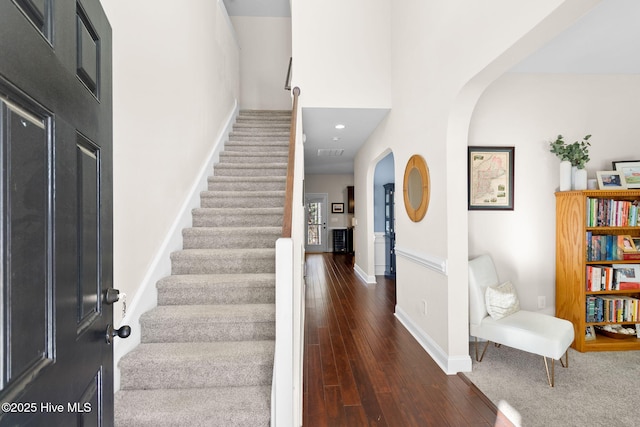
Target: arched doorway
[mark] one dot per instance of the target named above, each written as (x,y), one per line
(384,217)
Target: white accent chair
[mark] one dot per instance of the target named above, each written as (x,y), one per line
(528,331)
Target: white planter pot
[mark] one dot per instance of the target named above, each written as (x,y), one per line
(580,180)
(565,175)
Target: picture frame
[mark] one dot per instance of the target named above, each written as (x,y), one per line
(590,333)
(631,171)
(337,208)
(627,272)
(490,173)
(611,180)
(636,242)
(626,243)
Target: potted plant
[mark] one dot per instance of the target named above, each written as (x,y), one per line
(574,158)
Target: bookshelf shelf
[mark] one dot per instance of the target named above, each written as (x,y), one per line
(574,257)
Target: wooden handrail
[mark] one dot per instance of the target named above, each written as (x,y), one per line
(288,196)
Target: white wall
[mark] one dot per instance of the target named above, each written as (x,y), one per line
(339,58)
(444,54)
(175,86)
(528,111)
(265,49)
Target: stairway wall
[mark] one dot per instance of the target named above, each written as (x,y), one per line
(175,83)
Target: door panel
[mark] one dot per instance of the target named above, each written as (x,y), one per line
(316,231)
(26,236)
(56,213)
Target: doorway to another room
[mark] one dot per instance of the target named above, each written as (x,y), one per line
(316,229)
(384,217)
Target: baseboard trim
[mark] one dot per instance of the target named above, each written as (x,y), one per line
(147,296)
(450,365)
(371,280)
(432,262)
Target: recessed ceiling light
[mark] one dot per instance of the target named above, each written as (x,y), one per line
(335,138)
(339,126)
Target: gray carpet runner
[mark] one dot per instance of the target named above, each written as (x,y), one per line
(206,356)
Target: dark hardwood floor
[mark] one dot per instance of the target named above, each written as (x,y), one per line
(363,368)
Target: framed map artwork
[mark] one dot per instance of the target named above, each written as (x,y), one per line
(490,172)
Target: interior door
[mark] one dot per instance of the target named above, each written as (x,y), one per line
(316,233)
(56,213)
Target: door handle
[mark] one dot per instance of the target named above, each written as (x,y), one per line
(111,296)
(123,332)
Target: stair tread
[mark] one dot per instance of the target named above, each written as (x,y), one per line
(265,165)
(211,353)
(232,230)
(231,280)
(221,313)
(240,211)
(232,153)
(228,406)
(243,193)
(224,253)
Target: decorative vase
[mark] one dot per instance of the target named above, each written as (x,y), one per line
(565,175)
(580,180)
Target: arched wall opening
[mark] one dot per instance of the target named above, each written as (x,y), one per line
(384,216)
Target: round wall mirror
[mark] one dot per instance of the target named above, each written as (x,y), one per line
(416,188)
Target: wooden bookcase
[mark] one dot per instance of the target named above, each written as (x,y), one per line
(572,262)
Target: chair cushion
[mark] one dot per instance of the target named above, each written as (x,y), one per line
(501,300)
(528,331)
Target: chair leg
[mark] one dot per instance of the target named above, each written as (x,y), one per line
(550,378)
(565,364)
(483,351)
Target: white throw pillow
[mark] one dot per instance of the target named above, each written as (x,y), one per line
(501,300)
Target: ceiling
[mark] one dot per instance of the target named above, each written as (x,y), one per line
(605,40)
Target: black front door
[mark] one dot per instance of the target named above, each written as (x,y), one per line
(55,213)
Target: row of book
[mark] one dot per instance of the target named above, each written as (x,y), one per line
(608,278)
(612,213)
(608,247)
(612,308)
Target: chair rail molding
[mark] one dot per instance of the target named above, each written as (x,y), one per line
(431,262)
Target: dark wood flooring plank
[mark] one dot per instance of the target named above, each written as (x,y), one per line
(329,372)
(335,406)
(316,412)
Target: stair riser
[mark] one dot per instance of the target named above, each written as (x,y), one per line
(193,240)
(240,220)
(257,147)
(258,126)
(231,159)
(260,132)
(247,186)
(242,202)
(261,118)
(165,375)
(169,331)
(198,265)
(217,296)
(228,407)
(244,138)
(233,171)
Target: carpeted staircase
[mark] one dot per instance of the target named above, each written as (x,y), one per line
(206,356)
